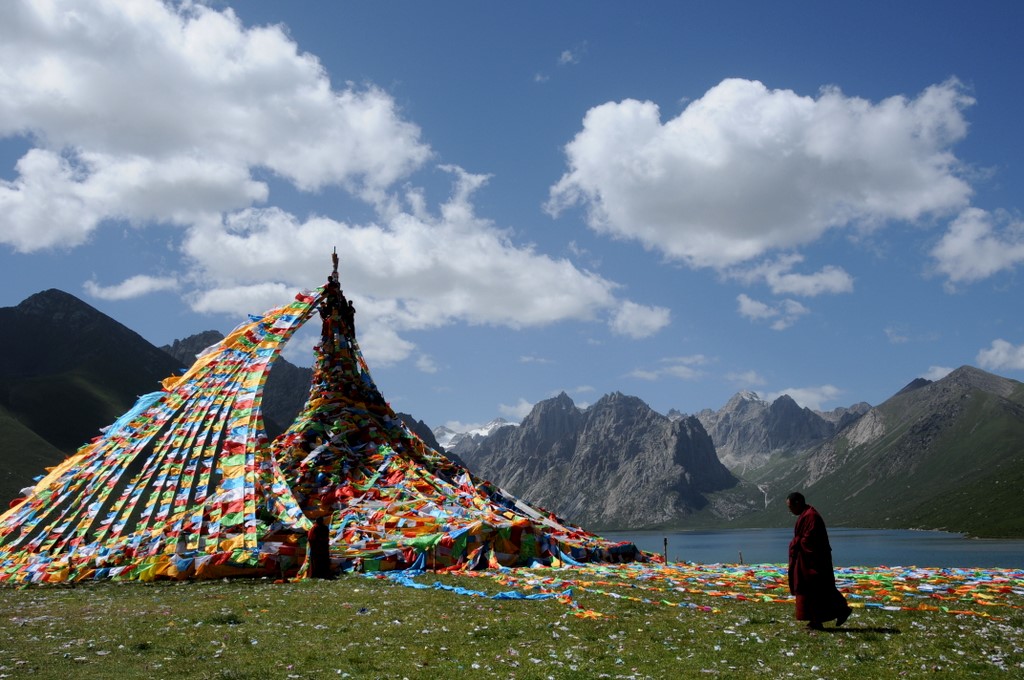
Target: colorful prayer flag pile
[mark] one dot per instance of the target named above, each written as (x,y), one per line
(186,484)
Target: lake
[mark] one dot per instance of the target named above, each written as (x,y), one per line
(850,547)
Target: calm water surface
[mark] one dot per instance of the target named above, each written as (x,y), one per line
(850,547)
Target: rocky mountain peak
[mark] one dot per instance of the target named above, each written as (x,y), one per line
(56,305)
(552,419)
(844,415)
(58,309)
(186,349)
(915,384)
(618,400)
(555,408)
(969,377)
(785,404)
(465,442)
(60,331)
(745,400)
(563,399)
(748,431)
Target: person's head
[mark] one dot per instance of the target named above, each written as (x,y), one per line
(796,502)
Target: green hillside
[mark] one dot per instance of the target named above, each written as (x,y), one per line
(66,409)
(950,458)
(31,456)
(961,473)
(66,370)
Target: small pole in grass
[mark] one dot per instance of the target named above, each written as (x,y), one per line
(741,557)
(666,549)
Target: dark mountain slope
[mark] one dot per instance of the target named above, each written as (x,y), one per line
(67,369)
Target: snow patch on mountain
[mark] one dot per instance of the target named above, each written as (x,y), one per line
(449,438)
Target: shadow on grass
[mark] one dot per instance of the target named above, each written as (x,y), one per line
(861,630)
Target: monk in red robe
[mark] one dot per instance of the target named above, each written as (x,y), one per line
(811,579)
(318,550)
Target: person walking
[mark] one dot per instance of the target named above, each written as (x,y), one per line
(811,577)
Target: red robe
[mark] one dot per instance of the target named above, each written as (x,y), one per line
(811,578)
(319,552)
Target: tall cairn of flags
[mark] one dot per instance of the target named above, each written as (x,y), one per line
(186,484)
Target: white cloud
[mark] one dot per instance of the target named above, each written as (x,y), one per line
(459,426)
(1002,356)
(900,333)
(426,364)
(684,368)
(172,113)
(813,398)
(639,321)
(573,56)
(746,379)
(754,309)
(424,270)
(937,372)
(132,287)
(240,299)
(782,280)
(782,315)
(682,371)
(517,411)
(979,244)
(150,111)
(382,345)
(533,359)
(299,349)
(745,170)
(897,335)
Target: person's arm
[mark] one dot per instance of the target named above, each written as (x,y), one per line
(809,541)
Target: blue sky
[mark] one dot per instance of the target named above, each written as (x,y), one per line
(673,200)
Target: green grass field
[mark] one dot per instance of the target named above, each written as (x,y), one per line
(359,627)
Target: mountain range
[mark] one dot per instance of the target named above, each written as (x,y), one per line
(749,432)
(468,440)
(947,454)
(616,464)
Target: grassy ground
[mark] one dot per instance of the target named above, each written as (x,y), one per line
(359,627)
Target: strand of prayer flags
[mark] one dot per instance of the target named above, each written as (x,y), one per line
(59,527)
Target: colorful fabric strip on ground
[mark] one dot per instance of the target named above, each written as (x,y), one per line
(975,592)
